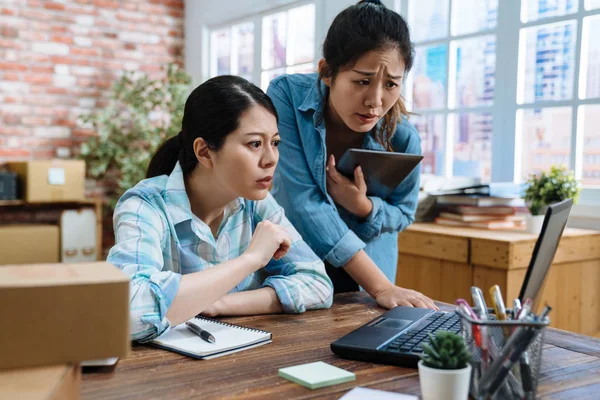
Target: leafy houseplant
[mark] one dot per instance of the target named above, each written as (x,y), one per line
(547,188)
(141,114)
(444,369)
(550,187)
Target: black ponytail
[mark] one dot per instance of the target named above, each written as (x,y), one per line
(165,158)
(212,111)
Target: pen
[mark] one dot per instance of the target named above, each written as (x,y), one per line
(516,307)
(499,307)
(525,309)
(507,363)
(205,335)
(545,313)
(479,302)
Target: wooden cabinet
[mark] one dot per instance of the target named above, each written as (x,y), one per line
(444,262)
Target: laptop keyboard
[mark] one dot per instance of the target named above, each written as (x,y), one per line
(412,340)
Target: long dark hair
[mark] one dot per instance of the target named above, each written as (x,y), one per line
(212,111)
(363,27)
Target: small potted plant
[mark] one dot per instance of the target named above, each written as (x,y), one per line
(444,369)
(547,188)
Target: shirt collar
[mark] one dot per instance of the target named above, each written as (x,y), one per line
(315,97)
(178,202)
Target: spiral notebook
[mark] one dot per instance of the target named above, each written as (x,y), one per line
(229,338)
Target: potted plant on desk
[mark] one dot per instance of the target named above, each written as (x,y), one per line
(547,188)
(444,369)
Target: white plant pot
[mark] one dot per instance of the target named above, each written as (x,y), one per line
(446,384)
(533,223)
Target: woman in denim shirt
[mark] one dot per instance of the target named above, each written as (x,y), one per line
(353,102)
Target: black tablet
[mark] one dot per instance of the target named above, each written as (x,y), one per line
(383,170)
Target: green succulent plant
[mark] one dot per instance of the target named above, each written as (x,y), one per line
(550,187)
(447,350)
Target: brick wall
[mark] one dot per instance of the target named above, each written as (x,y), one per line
(58,60)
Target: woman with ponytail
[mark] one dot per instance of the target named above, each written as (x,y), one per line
(353,102)
(202,234)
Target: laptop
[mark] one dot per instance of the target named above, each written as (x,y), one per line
(396,337)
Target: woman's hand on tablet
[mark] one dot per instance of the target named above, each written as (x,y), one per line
(352,195)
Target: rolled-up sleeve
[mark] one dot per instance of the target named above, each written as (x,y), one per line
(307,207)
(397,211)
(139,231)
(299,277)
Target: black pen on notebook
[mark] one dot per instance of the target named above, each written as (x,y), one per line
(205,335)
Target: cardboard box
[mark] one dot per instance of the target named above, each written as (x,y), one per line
(29,244)
(57,382)
(61,313)
(46,181)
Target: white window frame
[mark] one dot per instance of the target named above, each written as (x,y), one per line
(256,19)
(504,108)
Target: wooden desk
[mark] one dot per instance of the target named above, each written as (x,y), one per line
(570,365)
(444,262)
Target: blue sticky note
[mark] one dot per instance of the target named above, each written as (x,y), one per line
(316,375)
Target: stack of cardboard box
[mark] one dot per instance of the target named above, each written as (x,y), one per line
(44,182)
(53,317)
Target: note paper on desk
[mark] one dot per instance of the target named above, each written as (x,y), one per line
(316,375)
(359,393)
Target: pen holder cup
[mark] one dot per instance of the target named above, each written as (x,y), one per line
(505,356)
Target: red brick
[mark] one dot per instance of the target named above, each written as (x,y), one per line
(55,90)
(38,79)
(62,59)
(36,121)
(44,154)
(54,6)
(65,122)
(106,4)
(81,132)
(42,70)
(12,119)
(7,11)
(62,39)
(173,3)
(12,66)
(81,51)
(12,76)
(13,131)
(10,32)
(176,13)
(129,46)
(14,153)
(12,100)
(59,29)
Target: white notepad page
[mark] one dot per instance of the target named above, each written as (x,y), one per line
(228,338)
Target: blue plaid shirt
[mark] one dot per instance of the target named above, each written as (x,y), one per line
(158,239)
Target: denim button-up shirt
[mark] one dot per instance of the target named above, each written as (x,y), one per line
(300,181)
(159,239)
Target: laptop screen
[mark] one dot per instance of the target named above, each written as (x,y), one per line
(544,251)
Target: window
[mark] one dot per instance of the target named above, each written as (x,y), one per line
(232,50)
(451,87)
(288,43)
(284,42)
(545,110)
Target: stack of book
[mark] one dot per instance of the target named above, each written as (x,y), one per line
(481,210)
